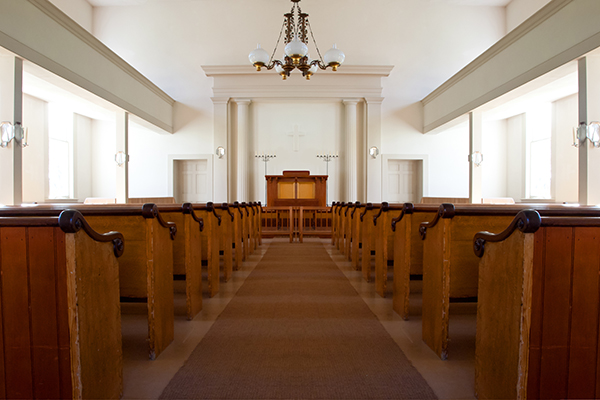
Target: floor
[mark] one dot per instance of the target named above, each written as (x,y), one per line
(450,379)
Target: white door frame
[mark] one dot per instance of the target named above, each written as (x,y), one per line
(178,157)
(424,158)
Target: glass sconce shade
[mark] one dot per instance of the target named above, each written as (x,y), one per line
(259,56)
(7,133)
(334,57)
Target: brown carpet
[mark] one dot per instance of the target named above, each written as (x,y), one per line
(297,329)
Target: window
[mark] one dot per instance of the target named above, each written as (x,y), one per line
(60,153)
(540,169)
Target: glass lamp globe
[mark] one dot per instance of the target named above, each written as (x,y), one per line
(279,69)
(334,57)
(311,71)
(296,49)
(259,57)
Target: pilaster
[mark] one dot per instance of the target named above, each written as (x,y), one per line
(122,172)
(243,130)
(351,128)
(221,138)
(475,173)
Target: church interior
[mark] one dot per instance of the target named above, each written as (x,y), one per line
(392,110)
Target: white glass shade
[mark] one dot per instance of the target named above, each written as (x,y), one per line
(7,133)
(296,48)
(259,55)
(312,69)
(334,56)
(279,69)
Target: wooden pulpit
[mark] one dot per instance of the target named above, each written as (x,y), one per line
(296,189)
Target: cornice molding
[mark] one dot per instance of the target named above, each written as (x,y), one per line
(57,15)
(513,36)
(377,70)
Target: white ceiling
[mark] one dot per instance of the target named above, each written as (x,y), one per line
(486,3)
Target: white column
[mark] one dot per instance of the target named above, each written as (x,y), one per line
(122,172)
(11,102)
(351,149)
(475,175)
(589,156)
(221,138)
(243,130)
(374,168)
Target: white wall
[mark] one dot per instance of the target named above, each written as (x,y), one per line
(103,142)
(82,135)
(78,10)
(565,156)
(427,42)
(517,11)
(35,156)
(494,168)
(274,121)
(515,161)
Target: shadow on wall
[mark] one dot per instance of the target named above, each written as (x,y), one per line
(183,115)
(411,116)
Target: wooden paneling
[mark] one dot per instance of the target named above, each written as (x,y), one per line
(15,302)
(193,262)
(499,312)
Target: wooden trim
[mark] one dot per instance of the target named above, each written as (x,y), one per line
(445,211)
(527,221)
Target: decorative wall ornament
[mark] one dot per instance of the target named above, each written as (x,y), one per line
(220,152)
(296,27)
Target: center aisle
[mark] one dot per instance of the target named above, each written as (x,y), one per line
(297,329)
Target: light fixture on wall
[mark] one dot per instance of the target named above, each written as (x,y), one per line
(121,158)
(220,152)
(296,27)
(327,157)
(584,131)
(9,132)
(476,158)
(373,152)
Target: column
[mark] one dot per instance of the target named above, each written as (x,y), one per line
(589,156)
(374,167)
(475,175)
(351,149)
(221,138)
(122,172)
(11,103)
(243,131)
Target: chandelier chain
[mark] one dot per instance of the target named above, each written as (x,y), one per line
(277,44)
(314,41)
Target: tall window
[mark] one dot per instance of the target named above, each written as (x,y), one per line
(60,153)
(540,156)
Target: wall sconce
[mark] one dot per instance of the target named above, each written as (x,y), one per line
(476,158)
(374,152)
(220,151)
(9,132)
(584,131)
(121,158)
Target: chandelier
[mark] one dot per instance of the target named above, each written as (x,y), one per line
(297,27)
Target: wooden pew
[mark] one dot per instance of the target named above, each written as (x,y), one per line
(254,223)
(60,332)
(408,252)
(384,244)
(237,236)
(368,240)
(537,315)
(259,223)
(356,235)
(449,265)
(145,270)
(210,244)
(187,252)
(340,225)
(334,220)
(347,224)
(226,239)
(450,269)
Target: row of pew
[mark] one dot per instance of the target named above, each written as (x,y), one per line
(62,284)
(534,271)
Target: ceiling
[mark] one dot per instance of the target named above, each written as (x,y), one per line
(486,3)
